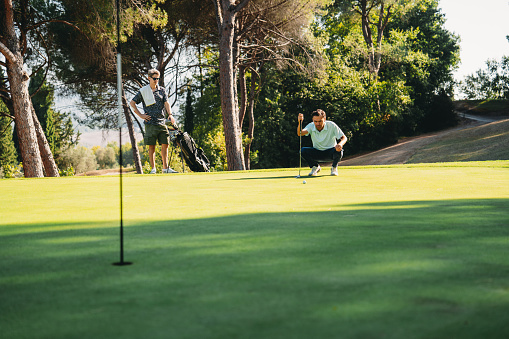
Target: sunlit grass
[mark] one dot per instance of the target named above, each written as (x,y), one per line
(480,143)
(409,251)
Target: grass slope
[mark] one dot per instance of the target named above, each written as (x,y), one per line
(410,251)
(479,143)
(492,107)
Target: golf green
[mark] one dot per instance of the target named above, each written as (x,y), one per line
(410,251)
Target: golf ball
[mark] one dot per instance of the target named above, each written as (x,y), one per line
(304,182)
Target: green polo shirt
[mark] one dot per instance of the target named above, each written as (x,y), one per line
(326,138)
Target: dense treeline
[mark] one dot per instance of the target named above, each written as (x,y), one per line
(381,69)
(410,93)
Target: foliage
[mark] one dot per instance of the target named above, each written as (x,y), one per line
(80,158)
(489,83)
(411,93)
(430,80)
(174,159)
(68,172)
(8,154)
(106,157)
(206,116)
(188,112)
(127,155)
(58,127)
(11,171)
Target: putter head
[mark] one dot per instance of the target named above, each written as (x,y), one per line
(297,177)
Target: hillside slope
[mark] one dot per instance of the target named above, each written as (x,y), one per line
(474,141)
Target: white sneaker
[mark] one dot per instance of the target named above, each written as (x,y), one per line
(154,171)
(314,171)
(334,171)
(169,170)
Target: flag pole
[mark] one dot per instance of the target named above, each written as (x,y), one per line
(119,95)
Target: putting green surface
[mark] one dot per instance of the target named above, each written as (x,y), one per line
(411,251)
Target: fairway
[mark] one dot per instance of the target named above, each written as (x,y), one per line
(407,251)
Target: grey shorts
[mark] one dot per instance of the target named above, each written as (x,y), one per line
(155,133)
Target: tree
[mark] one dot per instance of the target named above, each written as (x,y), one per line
(80,158)
(417,59)
(492,82)
(10,46)
(227,12)
(374,17)
(7,151)
(106,158)
(86,60)
(21,25)
(57,127)
(252,33)
(429,74)
(188,112)
(153,35)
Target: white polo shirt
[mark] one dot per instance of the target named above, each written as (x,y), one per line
(326,138)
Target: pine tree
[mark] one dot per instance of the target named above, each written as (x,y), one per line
(189,114)
(8,155)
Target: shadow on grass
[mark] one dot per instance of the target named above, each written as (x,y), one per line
(421,269)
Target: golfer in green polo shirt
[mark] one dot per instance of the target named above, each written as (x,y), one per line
(324,135)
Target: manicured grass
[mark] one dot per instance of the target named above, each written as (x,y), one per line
(478,143)
(410,251)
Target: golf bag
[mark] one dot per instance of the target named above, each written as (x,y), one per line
(194,156)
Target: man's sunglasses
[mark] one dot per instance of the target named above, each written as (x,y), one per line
(155,79)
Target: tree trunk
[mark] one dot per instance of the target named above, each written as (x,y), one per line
(226,12)
(18,81)
(243,95)
(251,120)
(374,52)
(50,167)
(130,127)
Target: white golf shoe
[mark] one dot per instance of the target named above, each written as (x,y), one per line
(334,171)
(169,170)
(314,171)
(154,171)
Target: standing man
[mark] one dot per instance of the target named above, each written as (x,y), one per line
(325,147)
(155,102)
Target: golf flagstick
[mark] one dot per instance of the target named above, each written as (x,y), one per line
(119,94)
(300,147)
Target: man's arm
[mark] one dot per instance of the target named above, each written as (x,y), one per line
(168,110)
(300,131)
(138,113)
(341,143)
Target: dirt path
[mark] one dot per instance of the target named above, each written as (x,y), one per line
(401,152)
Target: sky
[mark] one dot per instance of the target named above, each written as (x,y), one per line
(482,26)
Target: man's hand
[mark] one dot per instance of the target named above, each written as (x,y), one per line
(301,117)
(145,117)
(339,148)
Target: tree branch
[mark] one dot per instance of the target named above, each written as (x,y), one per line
(44,22)
(239,7)
(7,53)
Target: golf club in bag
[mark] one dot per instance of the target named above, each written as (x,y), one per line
(194,157)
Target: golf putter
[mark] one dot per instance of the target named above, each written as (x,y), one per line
(300,148)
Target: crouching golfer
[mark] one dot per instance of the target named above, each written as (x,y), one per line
(155,102)
(325,147)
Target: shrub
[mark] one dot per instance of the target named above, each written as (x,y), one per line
(80,158)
